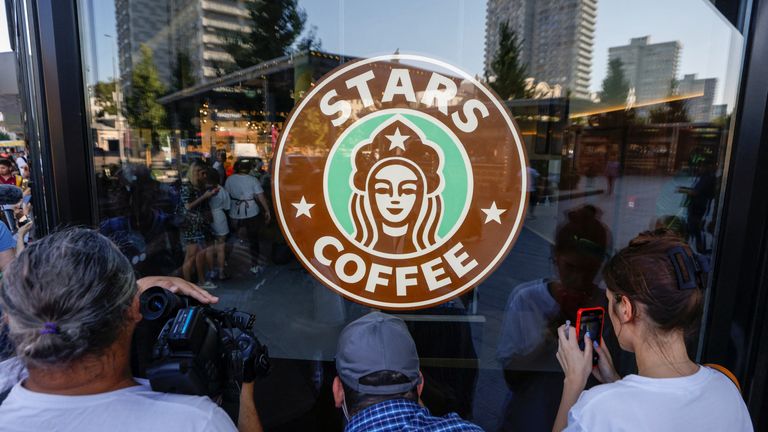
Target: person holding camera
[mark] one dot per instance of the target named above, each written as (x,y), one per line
(655,295)
(379,383)
(71,303)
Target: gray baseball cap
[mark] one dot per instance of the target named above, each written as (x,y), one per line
(377,342)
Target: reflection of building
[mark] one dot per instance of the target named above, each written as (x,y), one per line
(719,111)
(649,68)
(10,106)
(699,108)
(197,27)
(143,22)
(648,150)
(557,38)
(172,28)
(107,128)
(236,111)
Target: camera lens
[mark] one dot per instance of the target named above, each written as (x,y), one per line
(155,304)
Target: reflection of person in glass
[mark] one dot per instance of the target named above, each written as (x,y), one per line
(194,202)
(528,337)
(698,199)
(655,296)
(396,204)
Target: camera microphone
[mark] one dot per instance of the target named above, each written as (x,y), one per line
(10,194)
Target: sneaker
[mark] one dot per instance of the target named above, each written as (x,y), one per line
(210,275)
(208,285)
(257,269)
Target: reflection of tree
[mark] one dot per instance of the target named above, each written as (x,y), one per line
(141,107)
(183,76)
(104,95)
(675,111)
(615,85)
(310,41)
(507,69)
(275,26)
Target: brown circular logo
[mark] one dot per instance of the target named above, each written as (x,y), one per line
(400,181)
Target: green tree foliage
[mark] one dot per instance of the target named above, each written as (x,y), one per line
(507,68)
(310,41)
(275,26)
(675,111)
(615,85)
(141,107)
(104,96)
(4,136)
(183,75)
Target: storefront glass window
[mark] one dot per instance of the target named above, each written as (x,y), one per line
(624,109)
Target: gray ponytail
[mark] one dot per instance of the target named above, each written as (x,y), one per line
(66,296)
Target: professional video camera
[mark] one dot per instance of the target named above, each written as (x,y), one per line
(185,347)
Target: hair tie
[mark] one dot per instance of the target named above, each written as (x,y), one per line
(49,328)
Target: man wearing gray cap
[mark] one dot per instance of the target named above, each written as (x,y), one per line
(379,383)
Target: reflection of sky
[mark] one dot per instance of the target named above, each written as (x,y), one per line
(454,31)
(5,44)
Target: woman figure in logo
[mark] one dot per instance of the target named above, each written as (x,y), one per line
(396,205)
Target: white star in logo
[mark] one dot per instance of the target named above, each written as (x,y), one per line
(302,207)
(397,140)
(493,213)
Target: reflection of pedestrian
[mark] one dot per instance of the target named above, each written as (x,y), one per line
(528,338)
(697,203)
(221,158)
(193,206)
(219,204)
(611,172)
(244,191)
(533,190)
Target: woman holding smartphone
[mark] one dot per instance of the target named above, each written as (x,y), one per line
(655,296)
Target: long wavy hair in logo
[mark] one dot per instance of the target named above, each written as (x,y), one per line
(396,206)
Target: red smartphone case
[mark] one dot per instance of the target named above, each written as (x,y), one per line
(584,311)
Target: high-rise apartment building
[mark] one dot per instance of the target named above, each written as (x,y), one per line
(649,68)
(143,22)
(557,39)
(700,107)
(177,28)
(197,28)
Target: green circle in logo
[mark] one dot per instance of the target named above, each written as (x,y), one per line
(455,170)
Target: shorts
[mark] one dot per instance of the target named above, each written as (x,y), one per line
(219,226)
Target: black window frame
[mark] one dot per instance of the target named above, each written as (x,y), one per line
(53,98)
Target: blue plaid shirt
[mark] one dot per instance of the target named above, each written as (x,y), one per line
(404,415)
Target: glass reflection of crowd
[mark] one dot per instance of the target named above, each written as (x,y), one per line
(188,227)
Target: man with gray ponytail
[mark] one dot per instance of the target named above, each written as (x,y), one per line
(71,303)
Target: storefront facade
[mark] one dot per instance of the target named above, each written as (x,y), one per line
(120,100)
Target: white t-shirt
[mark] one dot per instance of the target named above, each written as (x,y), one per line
(136,408)
(524,330)
(243,189)
(704,401)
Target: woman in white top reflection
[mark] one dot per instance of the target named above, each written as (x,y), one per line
(396,205)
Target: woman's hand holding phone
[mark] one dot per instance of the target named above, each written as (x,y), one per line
(576,364)
(604,372)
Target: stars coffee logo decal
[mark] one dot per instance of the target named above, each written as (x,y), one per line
(399,181)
